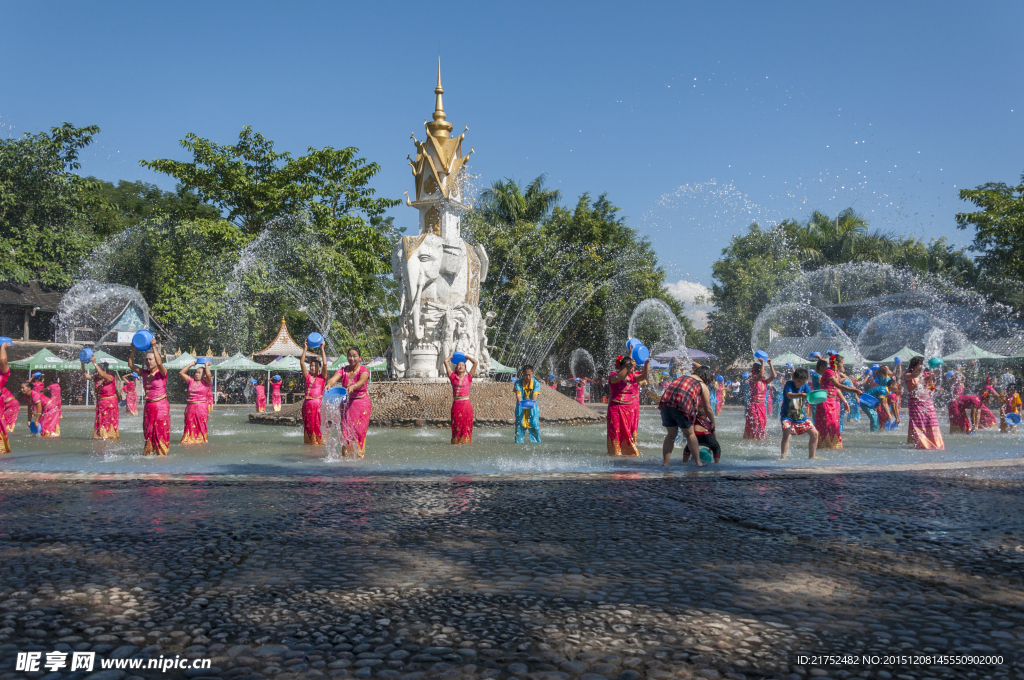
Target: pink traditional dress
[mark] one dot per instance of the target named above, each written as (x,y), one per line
(623,418)
(131,399)
(719,397)
(358,408)
(462,409)
(923,423)
(581,390)
(106,423)
(11,406)
(197,414)
(757,415)
(275,395)
(55,394)
(6,421)
(959,418)
(826,414)
(261,399)
(49,421)
(312,433)
(156,416)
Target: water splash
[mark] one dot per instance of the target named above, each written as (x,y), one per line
(581,364)
(655,325)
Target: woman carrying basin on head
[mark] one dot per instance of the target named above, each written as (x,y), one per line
(313,376)
(275,393)
(261,396)
(197,412)
(623,418)
(105,425)
(462,407)
(5,374)
(826,418)
(156,415)
(355,378)
(757,414)
(131,397)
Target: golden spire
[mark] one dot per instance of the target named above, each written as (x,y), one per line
(439,127)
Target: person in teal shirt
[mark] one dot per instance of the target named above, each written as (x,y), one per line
(527,388)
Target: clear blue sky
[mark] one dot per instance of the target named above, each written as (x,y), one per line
(694,117)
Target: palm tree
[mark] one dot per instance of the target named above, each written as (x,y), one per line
(506,201)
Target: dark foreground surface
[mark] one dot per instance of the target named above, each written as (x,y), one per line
(615,577)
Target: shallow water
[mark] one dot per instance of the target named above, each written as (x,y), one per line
(237,447)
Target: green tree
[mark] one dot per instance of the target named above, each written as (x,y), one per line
(43,230)
(998,227)
(126,204)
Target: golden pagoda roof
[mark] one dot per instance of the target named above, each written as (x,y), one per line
(282,345)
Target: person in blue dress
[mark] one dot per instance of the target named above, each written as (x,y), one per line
(527,390)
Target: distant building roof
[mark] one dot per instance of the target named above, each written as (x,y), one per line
(31,294)
(282,345)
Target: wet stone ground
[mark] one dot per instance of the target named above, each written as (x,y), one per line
(616,577)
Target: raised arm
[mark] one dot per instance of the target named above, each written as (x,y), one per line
(184,372)
(102,373)
(131,362)
(207,375)
(448,368)
(302,360)
(628,366)
(158,360)
(3,358)
(472,371)
(85,373)
(644,376)
(774,374)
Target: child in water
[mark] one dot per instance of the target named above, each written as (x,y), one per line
(795,412)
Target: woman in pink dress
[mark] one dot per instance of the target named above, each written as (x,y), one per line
(49,420)
(105,425)
(756,423)
(988,395)
(462,407)
(5,374)
(261,396)
(623,419)
(197,412)
(275,393)
(313,375)
(156,415)
(131,398)
(355,378)
(11,405)
(581,389)
(923,423)
(55,394)
(827,413)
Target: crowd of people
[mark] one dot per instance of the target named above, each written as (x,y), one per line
(815,402)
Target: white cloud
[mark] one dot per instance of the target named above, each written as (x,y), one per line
(688,293)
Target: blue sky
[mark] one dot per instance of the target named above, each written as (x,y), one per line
(694,117)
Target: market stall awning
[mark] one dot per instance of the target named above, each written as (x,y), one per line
(790,358)
(972,353)
(180,362)
(111,363)
(239,362)
(498,367)
(905,354)
(45,360)
(290,364)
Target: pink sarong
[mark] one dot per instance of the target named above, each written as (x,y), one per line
(311,431)
(923,423)
(275,395)
(261,399)
(581,390)
(49,420)
(757,414)
(719,399)
(106,423)
(826,414)
(131,399)
(156,416)
(197,413)
(987,419)
(55,394)
(357,411)
(8,415)
(462,409)
(623,419)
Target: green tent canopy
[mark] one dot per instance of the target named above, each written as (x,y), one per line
(287,364)
(180,362)
(790,358)
(498,367)
(239,363)
(905,355)
(111,363)
(972,353)
(45,360)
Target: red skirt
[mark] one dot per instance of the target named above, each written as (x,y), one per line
(311,432)
(826,420)
(131,403)
(357,422)
(757,422)
(106,423)
(197,416)
(10,412)
(261,403)
(623,421)
(462,422)
(156,427)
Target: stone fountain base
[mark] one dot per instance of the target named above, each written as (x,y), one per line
(417,404)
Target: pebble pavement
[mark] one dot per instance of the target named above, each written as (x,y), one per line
(610,577)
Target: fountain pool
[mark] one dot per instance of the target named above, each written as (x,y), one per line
(239,448)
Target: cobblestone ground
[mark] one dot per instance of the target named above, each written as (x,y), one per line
(619,577)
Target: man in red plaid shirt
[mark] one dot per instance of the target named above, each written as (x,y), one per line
(684,400)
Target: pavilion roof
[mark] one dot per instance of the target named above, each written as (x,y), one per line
(282,345)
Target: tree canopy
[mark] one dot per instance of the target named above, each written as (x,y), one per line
(998,226)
